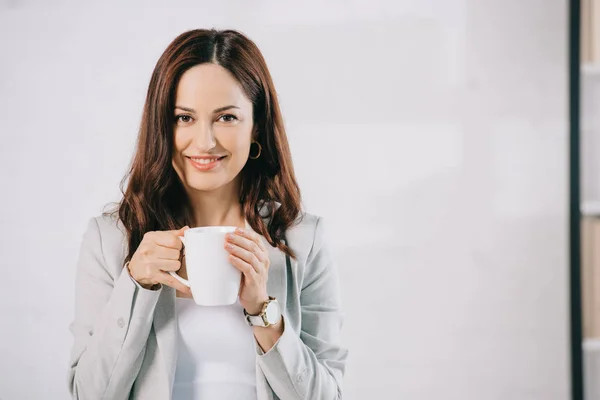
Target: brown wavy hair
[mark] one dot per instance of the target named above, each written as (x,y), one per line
(155,199)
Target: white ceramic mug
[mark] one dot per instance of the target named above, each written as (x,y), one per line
(211,277)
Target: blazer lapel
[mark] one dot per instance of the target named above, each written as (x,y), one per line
(276,285)
(165,326)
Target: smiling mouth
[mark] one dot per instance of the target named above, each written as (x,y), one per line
(206,160)
(205,163)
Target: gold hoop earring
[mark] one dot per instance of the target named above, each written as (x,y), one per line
(259,151)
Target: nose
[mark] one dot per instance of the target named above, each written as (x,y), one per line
(204,138)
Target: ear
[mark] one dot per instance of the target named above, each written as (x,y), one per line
(254,136)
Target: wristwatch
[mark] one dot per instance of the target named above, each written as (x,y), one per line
(269,315)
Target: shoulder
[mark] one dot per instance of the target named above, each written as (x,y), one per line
(306,236)
(108,236)
(110,227)
(315,260)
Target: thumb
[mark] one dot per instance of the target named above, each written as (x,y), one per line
(180,231)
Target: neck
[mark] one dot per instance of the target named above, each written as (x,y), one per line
(220,207)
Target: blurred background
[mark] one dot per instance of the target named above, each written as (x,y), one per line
(433,136)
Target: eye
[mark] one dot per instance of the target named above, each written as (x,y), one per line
(183,118)
(227,118)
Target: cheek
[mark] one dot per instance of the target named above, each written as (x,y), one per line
(243,150)
(178,166)
(177,159)
(178,141)
(239,156)
(237,145)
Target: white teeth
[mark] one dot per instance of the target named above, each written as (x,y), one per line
(204,160)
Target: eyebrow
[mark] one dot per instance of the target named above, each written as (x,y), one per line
(214,111)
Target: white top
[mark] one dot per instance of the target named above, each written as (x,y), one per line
(216,353)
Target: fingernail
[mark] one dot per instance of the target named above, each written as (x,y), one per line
(229,246)
(240,231)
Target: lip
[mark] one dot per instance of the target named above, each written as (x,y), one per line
(206,167)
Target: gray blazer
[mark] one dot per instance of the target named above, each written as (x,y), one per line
(125,337)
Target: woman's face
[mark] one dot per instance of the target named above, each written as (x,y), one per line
(212,128)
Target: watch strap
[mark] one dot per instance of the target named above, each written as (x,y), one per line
(255,320)
(260,319)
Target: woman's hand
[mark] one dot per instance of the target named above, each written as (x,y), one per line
(158,253)
(249,255)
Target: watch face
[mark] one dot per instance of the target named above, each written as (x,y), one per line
(272,312)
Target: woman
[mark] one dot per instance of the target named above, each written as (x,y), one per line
(212,150)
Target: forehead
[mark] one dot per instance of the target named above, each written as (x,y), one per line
(209,86)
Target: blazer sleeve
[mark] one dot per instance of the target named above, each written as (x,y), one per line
(113,317)
(311,364)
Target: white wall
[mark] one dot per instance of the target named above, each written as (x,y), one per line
(432,135)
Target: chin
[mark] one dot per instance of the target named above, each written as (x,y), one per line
(207,185)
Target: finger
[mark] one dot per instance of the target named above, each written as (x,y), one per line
(247,269)
(244,243)
(169,280)
(166,265)
(261,255)
(169,239)
(176,232)
(166,253)
(244,255)
(179,231)
(253,236)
